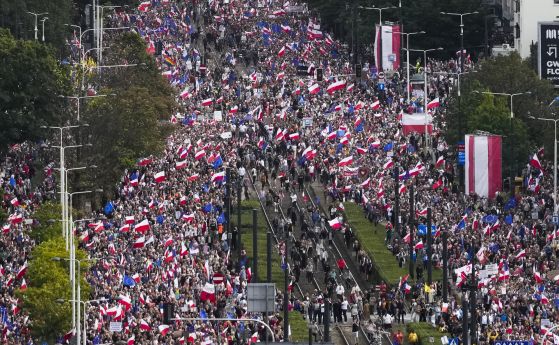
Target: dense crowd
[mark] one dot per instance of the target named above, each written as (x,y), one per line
(244,105)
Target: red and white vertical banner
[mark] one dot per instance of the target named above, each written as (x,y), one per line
(483,165)
(389,36)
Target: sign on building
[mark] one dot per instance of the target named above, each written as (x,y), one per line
(548,51)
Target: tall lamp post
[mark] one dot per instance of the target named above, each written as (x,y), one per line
(79,98)
(36,28)
(511,95)
(425,51)
(407,34)
(461,33)
(379,9)
(84,303)
(43,25)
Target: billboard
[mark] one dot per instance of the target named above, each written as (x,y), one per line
(548,51)
(387,45)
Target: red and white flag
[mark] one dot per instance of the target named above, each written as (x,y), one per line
(434,103)
(159,177)
(336,86)
(142,226)
(208,293)
(163,329)
(535,162)
(390,51)
(144,326)
(207,102)
(346,161)
(140,242)
(483,165)
(417,123)
(335,223)
(440,162)
(314,89)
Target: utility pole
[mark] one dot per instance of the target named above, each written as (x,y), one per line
(397,199)
(239,191)
(429,248)
(412,228)
(228,186)
(445,266)
(269,257)
(286,292)
(254,278)
(464,317)
(36,27)
(473,299)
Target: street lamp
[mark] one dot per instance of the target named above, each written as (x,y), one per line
(36,15)
(100,29)
(511,95)
(379,9)
(407,34)
(461,33)
(84,303)
(554,159)
(79,98)
(425,51)
(43,22)
(62,167)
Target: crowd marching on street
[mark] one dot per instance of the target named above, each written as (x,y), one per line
(162,238)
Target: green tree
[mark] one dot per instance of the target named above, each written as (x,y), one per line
(46,222)
(472,112)
(49,281)
(344,18)
(31,80)
(14,16)
(134,122)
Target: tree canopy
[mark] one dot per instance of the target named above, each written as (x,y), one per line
(441,30)
(491,113)
(31,80)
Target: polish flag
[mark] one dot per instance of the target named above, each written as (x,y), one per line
(338,107)
(346,161)
(538,277)
(185,93)
(180,165)
(521,254)
(23,285)
(125,301)
(281,52)
(483,165)
(145,161)
(184,250)
(407,238)
(375,105)
(350,87)
(336,86)
(437,184)
(361,150)
(314,89)
(335,223)
(234,110)
(129,219)
(131,340)
(159,177)
(218,177)
(144,6)
(136,277)
(194,177)
(440,162)
(168,242)
(143,226)
(389,164)
(434,103)
(535,162)
(285,28)
(188,217)
(402,189)
(199,155)
(207,102)
(332,135)
(21,272)
(139,243)
(294,136)
(163,329)
(208,293)
(366,183)
(422,212)
(419,245)
(14,202)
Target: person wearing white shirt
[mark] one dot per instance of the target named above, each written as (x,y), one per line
(340,290)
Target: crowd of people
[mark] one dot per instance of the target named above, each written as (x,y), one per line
(244,72)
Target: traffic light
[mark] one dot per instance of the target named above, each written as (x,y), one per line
(319,74)
(168,313)
(358,70)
